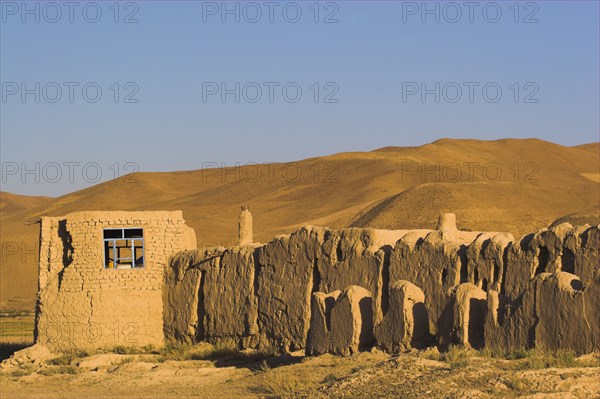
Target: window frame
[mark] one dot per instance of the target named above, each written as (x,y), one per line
(113,240)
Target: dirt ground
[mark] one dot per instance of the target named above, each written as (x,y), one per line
(425,374)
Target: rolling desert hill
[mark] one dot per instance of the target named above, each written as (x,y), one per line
(589,216)
(12,204)
(504,185)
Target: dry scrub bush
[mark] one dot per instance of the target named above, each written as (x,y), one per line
(282,383)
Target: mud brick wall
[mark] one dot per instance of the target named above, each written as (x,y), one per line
(483,289)
(444,287)
(81,304)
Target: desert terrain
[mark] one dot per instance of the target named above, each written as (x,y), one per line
(511,185)
(205,371)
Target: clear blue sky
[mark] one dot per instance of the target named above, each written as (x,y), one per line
(370,62)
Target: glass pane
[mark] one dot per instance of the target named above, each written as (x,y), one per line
(134,233)
(113,233)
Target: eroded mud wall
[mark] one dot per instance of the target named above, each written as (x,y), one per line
(468,288)
(517,293)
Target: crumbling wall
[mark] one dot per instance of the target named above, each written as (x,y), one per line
(582,248)
(209,295)
(440,260)
(465,288)
(315,259)
(319,339)
(405,324)
(463,319)
(356,257)
(477,287)
(230,303)
(563,247)
(284,287)
(272,285)
(554,312)
(550,298)
(83,305)
(486,260)
(435,263)
(183,293)
(341,322)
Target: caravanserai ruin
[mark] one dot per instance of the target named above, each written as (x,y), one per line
(138,278)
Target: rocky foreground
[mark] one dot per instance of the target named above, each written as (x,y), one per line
(217,372)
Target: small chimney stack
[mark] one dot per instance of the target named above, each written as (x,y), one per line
(245,227)
(447,222)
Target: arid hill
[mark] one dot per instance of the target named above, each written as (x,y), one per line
(12,204)
(505,185)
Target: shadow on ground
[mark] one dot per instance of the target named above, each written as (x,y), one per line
(256,362)
(7,349)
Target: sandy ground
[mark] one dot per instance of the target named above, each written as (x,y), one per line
(365,375)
